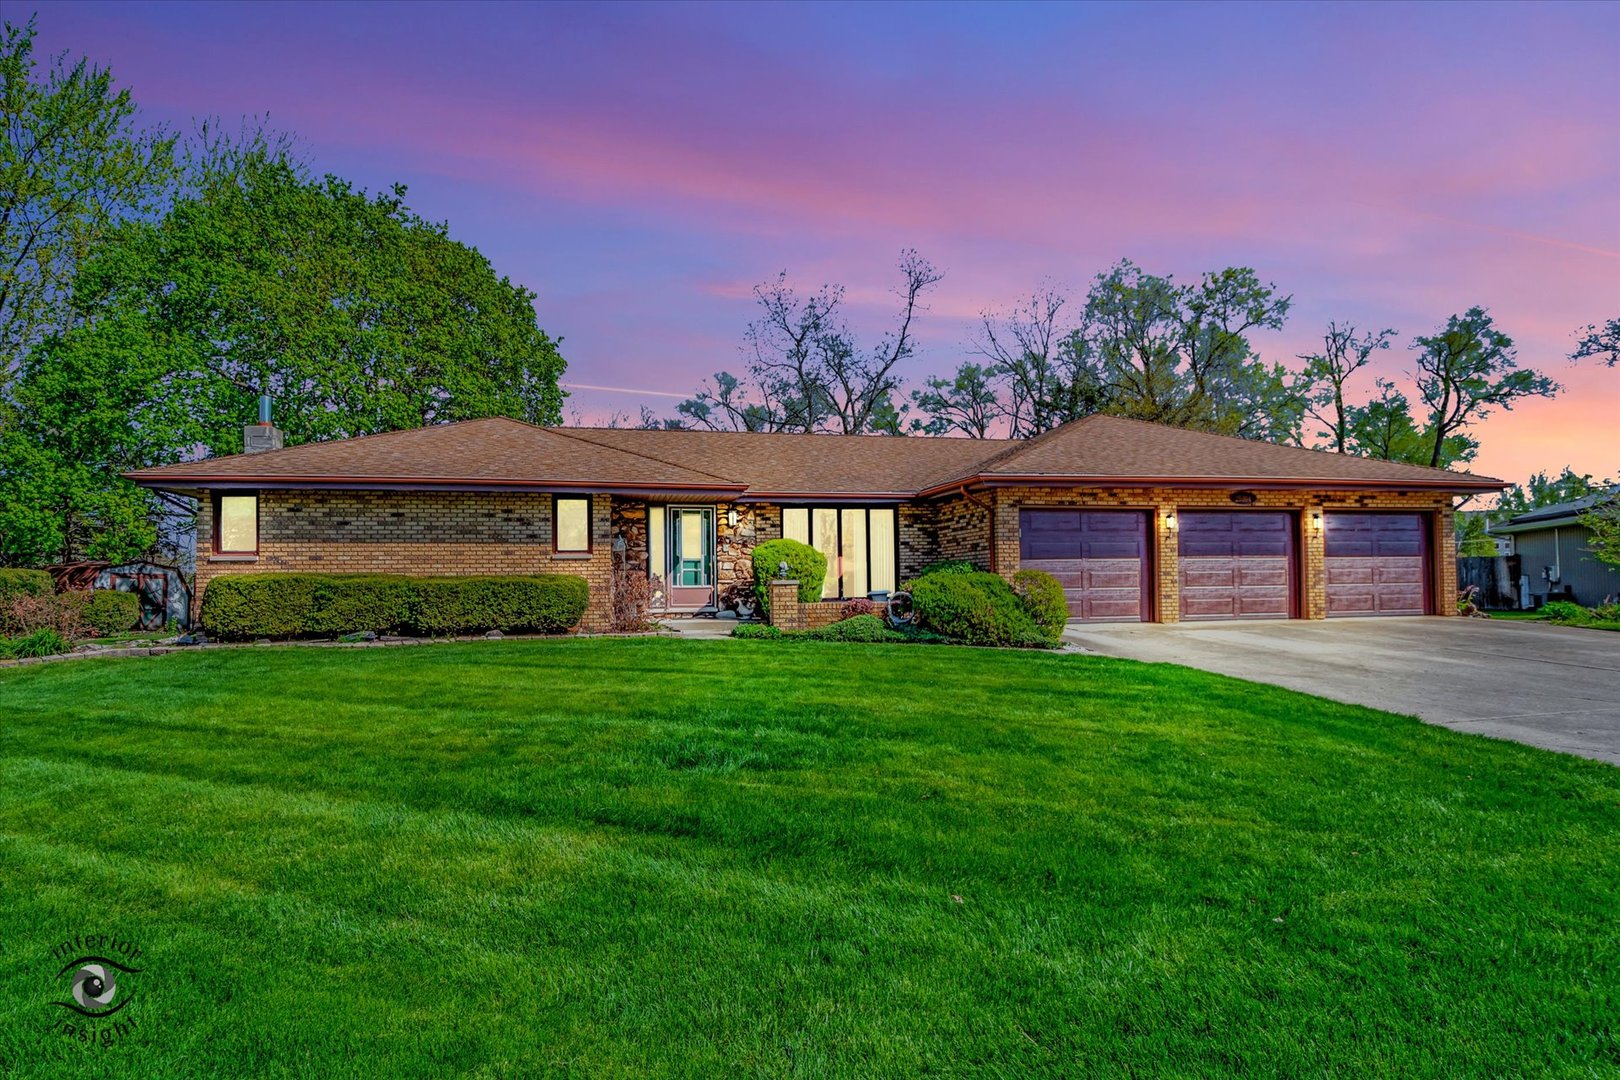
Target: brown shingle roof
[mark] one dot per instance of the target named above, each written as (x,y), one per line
(778,464)
(1113,448)
(494,452)
(500,452)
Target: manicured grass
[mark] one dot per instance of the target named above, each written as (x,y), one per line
(713,859)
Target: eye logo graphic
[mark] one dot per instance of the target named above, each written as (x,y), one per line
(95,985)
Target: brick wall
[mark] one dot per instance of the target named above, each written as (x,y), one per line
(1160,502)
(790,613)
(437,533)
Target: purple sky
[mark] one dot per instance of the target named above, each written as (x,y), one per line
(641,167)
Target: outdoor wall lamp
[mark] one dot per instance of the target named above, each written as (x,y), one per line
(1170,521)
(731,517)
(1316,521)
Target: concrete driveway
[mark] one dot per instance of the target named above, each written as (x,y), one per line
(1550,686)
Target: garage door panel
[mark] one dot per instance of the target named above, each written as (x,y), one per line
(1236,564)
(1376,564)
(1098,556)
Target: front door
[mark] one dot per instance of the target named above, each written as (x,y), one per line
(691,557)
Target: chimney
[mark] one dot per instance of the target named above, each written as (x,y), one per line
(264,435)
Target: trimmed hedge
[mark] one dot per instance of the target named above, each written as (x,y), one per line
(1042,597)
(241,606)
(542,604)
(110,611)
(804,562)
(976,609)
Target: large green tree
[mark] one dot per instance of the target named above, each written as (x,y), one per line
(355,314)
(1465,371)
(1181,354)
(74,163)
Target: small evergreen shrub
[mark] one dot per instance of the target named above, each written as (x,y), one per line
(805,563)
(858,628)
(976,609)
(757,632)
(1563,611)
(240,606)
(108,611)
(1042,597)
(948,566)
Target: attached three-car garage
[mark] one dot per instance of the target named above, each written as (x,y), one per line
(1232,564)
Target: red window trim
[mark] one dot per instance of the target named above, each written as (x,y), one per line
(590,531)
(219,495)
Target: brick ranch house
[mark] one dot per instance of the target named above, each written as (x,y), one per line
(1137,520)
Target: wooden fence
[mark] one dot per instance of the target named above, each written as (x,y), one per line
(1497,577)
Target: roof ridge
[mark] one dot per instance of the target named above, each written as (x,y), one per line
(1018,447)
(262,454)
(1285,446)
(572,433)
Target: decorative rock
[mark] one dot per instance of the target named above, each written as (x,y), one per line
(495,635)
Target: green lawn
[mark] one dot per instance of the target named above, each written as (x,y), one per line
(713,859)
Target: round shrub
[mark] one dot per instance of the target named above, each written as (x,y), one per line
(976,609)
(948,566)
(1042,597)
(109,611)
(805,563)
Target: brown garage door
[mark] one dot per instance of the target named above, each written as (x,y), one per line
(1099,556)
(1377,564)
(1236,564)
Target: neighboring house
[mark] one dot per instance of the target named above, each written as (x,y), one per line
(1137,520)
(1552,546)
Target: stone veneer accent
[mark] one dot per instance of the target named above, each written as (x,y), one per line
(434,533)
(1161,502)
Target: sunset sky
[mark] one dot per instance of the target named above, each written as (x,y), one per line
(642,167)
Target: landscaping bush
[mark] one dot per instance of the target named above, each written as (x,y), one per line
(41,642)
(539,603)
(1043,599)
(19,583)
(108,611)
(857,607)
(948,566)
(805,563)
(757,631)
(241,606)
(1563,611)
(62,613)
(976,609)
(859,628)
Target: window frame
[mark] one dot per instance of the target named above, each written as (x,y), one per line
(219,498)
(837,572)
(556,533)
